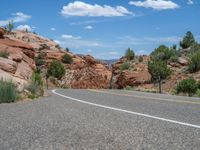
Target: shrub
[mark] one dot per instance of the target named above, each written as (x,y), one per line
(43,46)
(56,69)
(8,92)
(67,59)
(125,66)
(163,53)
(32,88)
(10,26)
(4,54)
(188,86)
(37,79)
(129,54)
(194,65)
(188,40)
(198,92)
(158,70)
(58,46)
(40,59)
(140,59)
(67,49)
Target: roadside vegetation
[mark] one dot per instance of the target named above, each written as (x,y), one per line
(67,59)
(35,88)
(8,92)
(56,69)
(4,54)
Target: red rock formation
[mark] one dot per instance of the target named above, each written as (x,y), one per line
(20,63)
(2,32)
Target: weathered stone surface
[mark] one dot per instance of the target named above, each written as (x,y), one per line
(8,65)
(2,32)
(24,71)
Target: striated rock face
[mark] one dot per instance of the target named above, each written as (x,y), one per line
(2,32)
(136,75)
(19,65)
(84,72)
(87,73)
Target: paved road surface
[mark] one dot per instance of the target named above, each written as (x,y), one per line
(101,119)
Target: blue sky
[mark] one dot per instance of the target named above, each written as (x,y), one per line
(105,28)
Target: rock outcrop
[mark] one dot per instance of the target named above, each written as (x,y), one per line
(19,64)
(136,75)
(84,72)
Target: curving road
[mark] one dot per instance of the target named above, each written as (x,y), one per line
(101,119)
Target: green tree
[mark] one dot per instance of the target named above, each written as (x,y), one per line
(189,86)
(159,71)
(67,59)
(163,53)
(188,40)
(56,69)
(10,26)
(194,65)
(130,55)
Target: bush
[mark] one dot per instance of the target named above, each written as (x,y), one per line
(194,65)
(10,26)
(125,66)
(140,59)
(188,86)
(198,92)
(8,92)
(158,70)
(4,54)
(37,79)
(43,46)
(67,59)
(163,53)
(32,88)
(188,40)
(129,54)
(40,59)
(56,69)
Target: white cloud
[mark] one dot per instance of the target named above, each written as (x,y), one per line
(58,42)
(155,4)
(88,27)
(79,8)
(53,29)
(76,42)
(18,17)
(113,53)
(24,28)
(89,50)
(190,2)
(70,37)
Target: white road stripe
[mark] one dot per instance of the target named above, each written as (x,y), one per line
(126,111)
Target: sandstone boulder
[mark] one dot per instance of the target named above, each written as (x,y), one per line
(8,65)
(2,32)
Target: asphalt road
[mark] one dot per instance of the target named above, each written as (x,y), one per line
(101,119)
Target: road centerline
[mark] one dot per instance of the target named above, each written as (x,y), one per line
(127,111)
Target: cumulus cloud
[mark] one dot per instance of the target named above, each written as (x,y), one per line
(24,28)
(190,2)
(155,4)
(79,8)
(88,27)
(17,17)
(71,37)
(53,29)
(76,42)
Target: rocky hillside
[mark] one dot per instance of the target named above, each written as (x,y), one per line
(24,47)
(137,75)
